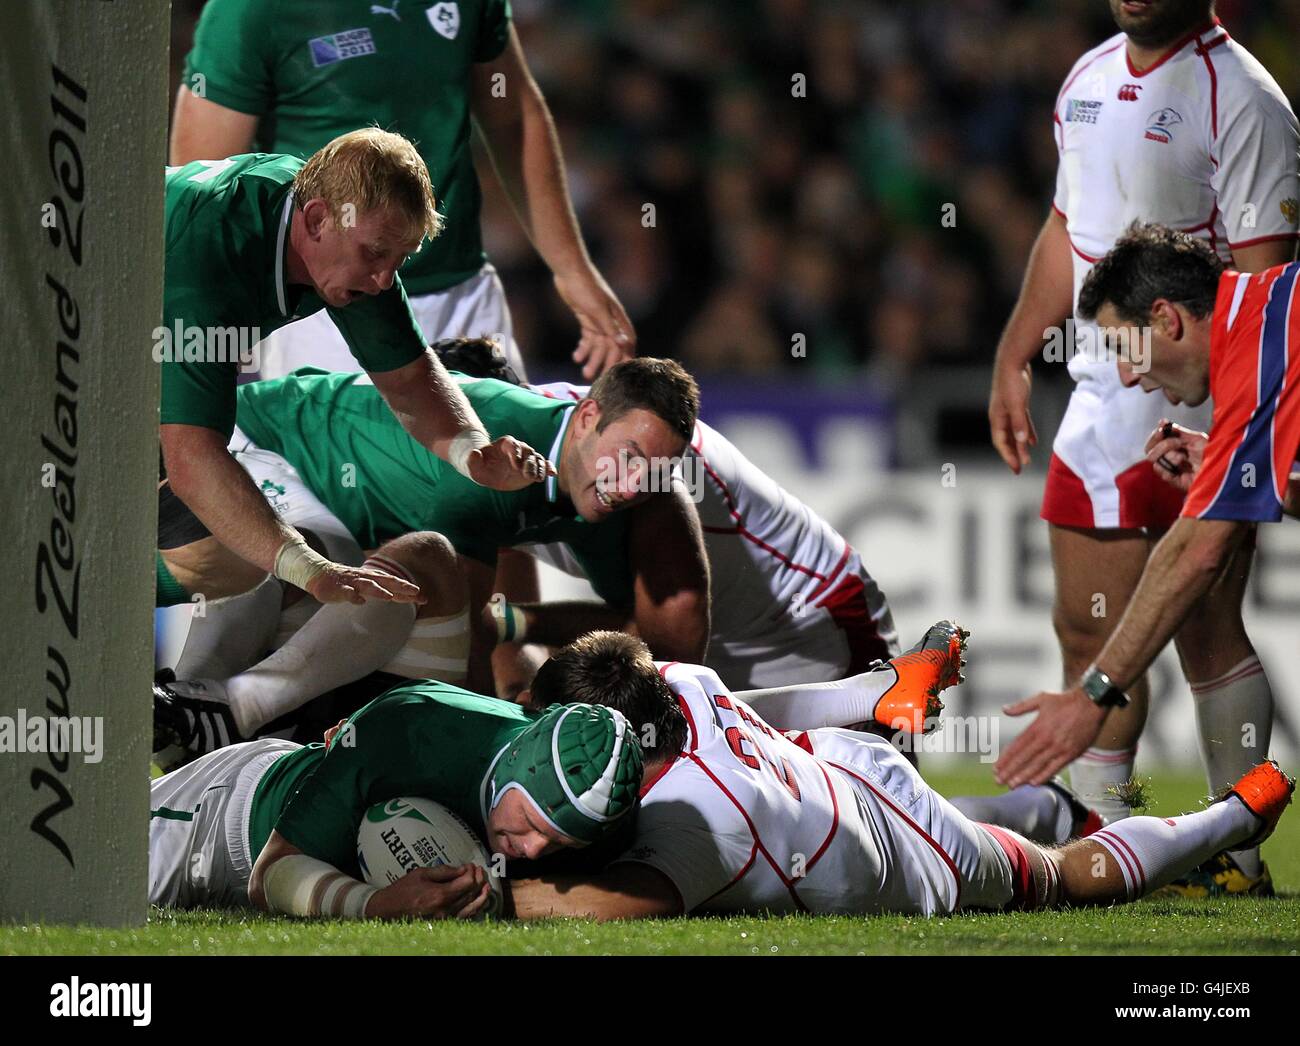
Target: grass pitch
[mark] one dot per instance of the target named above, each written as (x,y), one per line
(1167,927)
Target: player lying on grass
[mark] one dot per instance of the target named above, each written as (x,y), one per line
(274,824)
(736,816)
(253,242)
(899,699)
(365,482)
(1181,322)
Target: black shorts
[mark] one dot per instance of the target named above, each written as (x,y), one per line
(177,525)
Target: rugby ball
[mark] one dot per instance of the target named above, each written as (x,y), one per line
(406,833)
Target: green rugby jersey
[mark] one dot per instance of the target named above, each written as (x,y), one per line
(426,739)
(227,224)
(354,455)
(315,69)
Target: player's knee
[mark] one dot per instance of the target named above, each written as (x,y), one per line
(430,560)
(1080,633)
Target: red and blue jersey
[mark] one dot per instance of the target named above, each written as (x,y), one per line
(1254,379)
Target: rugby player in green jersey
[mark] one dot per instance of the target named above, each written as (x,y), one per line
(288,76)
(251,243)
(274,824)
(327,452)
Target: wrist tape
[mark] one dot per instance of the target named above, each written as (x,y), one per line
(463,444)
(298,563)
(512,625)
(301,885)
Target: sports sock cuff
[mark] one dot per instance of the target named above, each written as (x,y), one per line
(512,625)
(1242,670)
(1130,867)
(1109,755)
(390,566)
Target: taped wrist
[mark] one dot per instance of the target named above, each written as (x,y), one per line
(463,444)
(302,885)
(298,563)
(512,624)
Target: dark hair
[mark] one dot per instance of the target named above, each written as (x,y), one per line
(616,670)
(1148,262)
(476,357)
(660,386)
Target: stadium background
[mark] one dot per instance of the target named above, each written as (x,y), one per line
(820,216)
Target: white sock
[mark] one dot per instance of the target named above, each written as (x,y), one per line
(810,706)
(342,642)
(232,634)
(1234,719)
(1095,774)
(1153,851)
(292,619)
(1037,812)
(437,648)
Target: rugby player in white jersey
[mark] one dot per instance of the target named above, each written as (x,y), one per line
(736,816)
(1171,121)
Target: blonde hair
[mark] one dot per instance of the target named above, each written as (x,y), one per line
(371,169)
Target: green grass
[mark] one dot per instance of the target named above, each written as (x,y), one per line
(1166,927)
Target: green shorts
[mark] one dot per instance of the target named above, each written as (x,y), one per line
(168,592)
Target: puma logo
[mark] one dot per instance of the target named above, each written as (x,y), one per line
(380,9)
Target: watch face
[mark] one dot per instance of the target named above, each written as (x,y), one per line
(1101,690)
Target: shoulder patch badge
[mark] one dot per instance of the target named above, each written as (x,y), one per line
(445,19)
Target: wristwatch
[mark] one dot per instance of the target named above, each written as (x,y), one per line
(1101,690)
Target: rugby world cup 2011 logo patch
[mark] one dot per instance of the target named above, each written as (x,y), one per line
(351,43)
(1082,110)
(1159,124)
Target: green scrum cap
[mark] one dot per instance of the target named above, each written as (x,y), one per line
(579,764)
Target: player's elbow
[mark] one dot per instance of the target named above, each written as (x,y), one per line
(408,389)
(678,630)
(187,452)
(1209,548)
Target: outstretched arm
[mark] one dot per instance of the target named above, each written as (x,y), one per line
(516,125)
(436,413)
(623,891)
(287,880)
(204,475)
(1183,566)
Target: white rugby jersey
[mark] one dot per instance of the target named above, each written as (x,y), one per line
(771,558)
(747,820)
(1203,140)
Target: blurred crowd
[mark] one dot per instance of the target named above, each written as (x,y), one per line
(865,176)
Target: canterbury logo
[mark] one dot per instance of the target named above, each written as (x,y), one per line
(1129,92)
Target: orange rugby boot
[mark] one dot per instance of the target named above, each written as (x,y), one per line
(912,703)
(1266,791)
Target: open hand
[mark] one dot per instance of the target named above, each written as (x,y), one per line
(508,464)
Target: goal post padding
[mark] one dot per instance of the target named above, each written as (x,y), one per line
(85,86)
